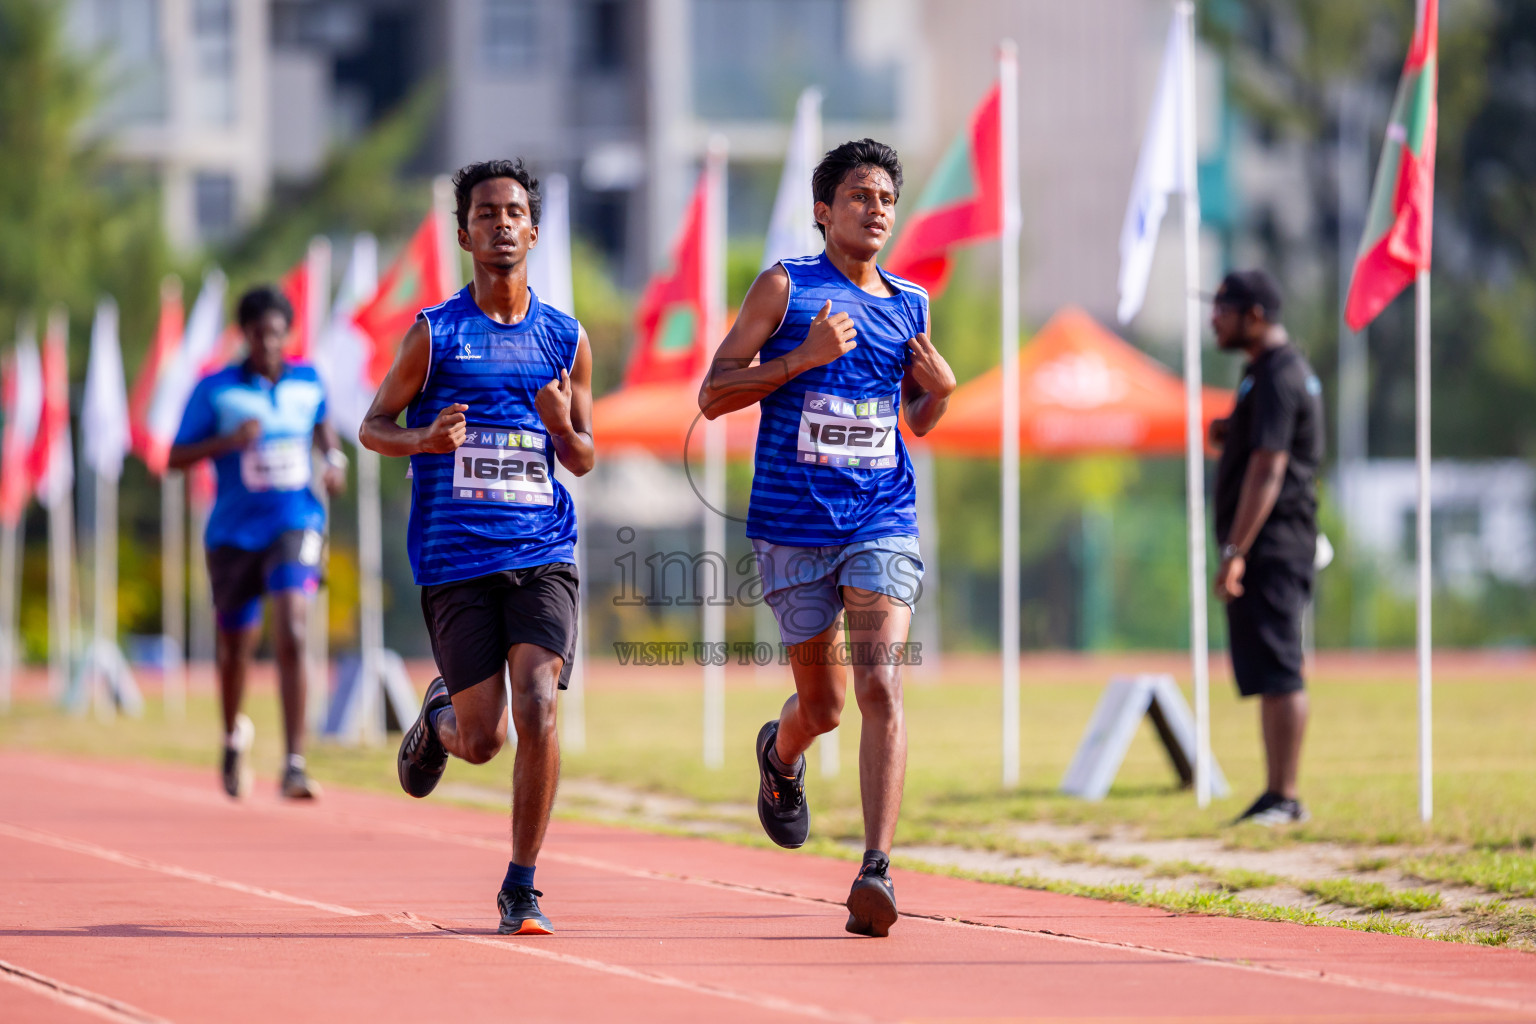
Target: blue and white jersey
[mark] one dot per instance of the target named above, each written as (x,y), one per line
(494,503)
(831,467)
(263,490)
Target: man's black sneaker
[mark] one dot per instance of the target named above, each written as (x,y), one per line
(781,800)
(236,770)
(297,785)
(1272,809)
(422,755)
(520,913)
(872,900)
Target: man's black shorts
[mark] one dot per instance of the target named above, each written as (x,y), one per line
(1264,627)
(474,622)
(240,578)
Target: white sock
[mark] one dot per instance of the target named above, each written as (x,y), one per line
(296,761)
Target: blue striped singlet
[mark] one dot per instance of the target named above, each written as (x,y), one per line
(494,503)
(831,467)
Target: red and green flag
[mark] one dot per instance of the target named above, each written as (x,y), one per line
(416,280)
(1399,227)
(671,343)
(962,203)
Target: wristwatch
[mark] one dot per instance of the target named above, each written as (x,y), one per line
(1229,552)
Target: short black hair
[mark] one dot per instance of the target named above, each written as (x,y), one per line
(465,181)
(260,301)
(850,156)
(1246,290)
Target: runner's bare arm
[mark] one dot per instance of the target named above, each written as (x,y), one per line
(183,455)
(329,444)
(926,386)
(733,382)
(381,430)
(565,406)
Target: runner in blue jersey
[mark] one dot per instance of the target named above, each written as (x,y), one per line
(496,388)
(259,421)
(835,350)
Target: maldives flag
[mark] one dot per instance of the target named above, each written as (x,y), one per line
(671,325)
(1399,227)
(297,289)
(417,279)
(306,288)
(51,462)
(23,394)
(962,203)
(161,349)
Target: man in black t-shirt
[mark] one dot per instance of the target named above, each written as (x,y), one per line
(1266,524)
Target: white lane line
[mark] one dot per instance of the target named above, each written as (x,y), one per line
(176,791)
(764,1000)
(84,1000)
(59,842)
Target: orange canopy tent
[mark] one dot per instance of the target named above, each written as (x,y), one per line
(1082,391)
(664,419)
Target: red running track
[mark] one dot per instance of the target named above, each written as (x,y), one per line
(134,893)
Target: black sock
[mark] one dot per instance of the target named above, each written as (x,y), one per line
(876,862)
(517,877)
(777,765)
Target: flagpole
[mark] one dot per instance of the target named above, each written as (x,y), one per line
(1008,82)
(1194,455)
(60,519)
(173,574)
(8,543)
(317,259)
(1425,637)
(714,459)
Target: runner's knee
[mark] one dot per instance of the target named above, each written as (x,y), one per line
(819,716)
(878,689)
(479,746)
(533,709)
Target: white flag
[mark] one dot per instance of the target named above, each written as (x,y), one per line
(58,477)
(26,404)
(180,376)
(1159,174)
(549,262)
(345,366)
(104,416)
(792,228)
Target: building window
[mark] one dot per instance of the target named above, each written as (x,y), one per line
(213,61)
(214,205)
(602,34)
(126,36)
(794,43)
(510,36)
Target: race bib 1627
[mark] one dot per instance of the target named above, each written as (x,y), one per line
(845,432)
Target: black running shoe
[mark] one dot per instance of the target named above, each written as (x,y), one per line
(520,913)
(422,755)
(780,800)
(872,900)
(1272,809)
(236,770)
(297,785)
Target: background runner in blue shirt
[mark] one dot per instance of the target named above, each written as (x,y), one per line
(497,390)
(836,350)
(259,420)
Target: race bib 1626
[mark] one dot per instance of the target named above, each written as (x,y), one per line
(505,466)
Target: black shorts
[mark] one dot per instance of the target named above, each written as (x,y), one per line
(240,578)
(473,623)
(1264,627)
